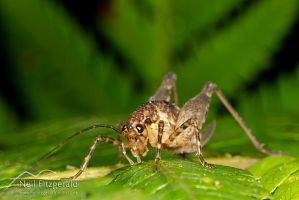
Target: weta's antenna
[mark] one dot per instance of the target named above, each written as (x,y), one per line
(57,147)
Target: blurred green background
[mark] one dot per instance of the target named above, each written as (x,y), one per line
(67,64)
(63,59)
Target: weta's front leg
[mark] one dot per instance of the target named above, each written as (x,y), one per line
(199,152)
(105,139)
(160,134)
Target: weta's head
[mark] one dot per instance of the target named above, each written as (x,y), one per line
(136,133)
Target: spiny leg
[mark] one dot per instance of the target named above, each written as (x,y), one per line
(135,152)
(160,134)
(122,153)
(199,152)
(57,147)
(125,154)
(164,91)
(209,89)
(91,151)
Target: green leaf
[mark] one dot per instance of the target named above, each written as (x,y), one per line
(91,189)
(265,165)
(189,180)
(205,16)
(276,119)
(289,189)
(175,178)
(276,172)
(279,174)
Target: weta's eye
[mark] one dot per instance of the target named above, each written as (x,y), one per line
(124,128)
(139,128)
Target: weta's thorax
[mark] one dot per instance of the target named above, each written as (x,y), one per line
(142,127)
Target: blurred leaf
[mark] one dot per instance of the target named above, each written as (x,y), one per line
(278,170)
(244,45)
(238,52)
(265,165)
(272,112)
(193,20)
(289,189)
(50,51)
(133,35)
(62,74)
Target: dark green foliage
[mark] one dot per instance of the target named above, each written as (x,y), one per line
(60,71)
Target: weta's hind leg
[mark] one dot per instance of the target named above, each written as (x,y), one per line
(166,88)
(210,88)
(197,108)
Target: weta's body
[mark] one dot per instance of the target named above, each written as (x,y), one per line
(162,124)
(148,118)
